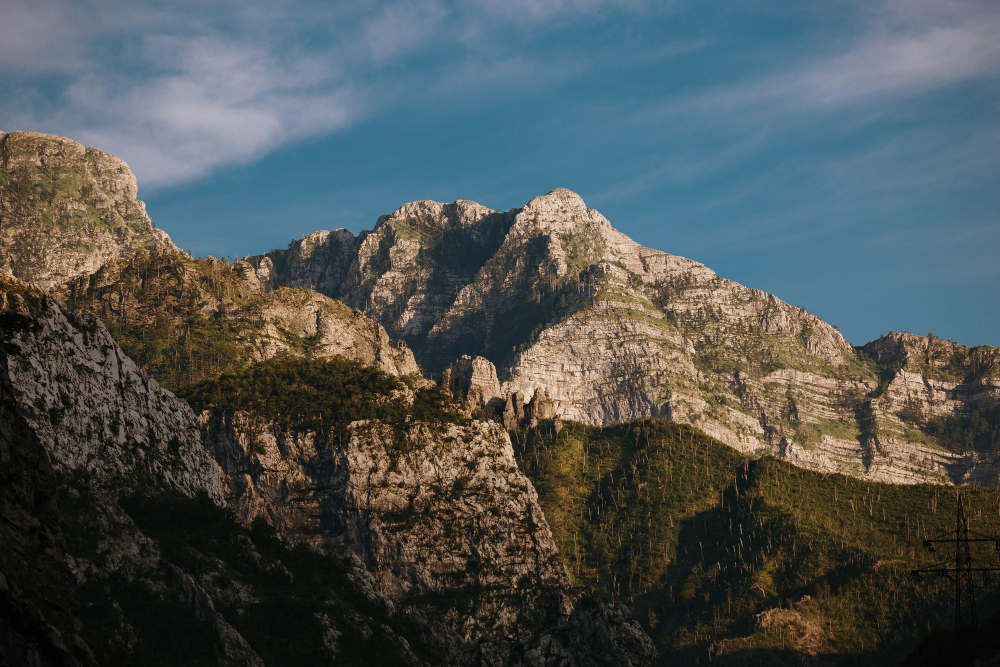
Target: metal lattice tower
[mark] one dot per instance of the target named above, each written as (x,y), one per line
(961,569)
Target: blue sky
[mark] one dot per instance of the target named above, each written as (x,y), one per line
(843,155)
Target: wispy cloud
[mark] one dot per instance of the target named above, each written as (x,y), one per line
(908,49)
(180,91)
(184,88)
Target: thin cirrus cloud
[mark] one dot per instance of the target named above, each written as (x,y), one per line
(901,51)
(178,97)
(912,50)
(220,102)
(184,90)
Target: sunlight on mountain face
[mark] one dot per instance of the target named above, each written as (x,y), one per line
(464,436)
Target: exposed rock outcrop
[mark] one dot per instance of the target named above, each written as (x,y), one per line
(559,300)
(474,381)
(66,210)
(93,410)
(446,522)
(39,606)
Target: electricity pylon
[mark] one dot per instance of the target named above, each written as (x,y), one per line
(961,568)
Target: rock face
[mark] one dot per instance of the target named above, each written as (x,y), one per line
(473,380)
(185,319)
(39,607)
(92,409)
(445,521)
(65,210)
(115,549)
(559,300)
(429,511)
(409,269)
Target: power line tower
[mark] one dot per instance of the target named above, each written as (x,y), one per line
(961,569)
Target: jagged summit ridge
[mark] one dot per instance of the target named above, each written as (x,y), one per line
(561,301)
(550,293)
(460,213)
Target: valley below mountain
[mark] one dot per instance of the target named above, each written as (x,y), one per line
(463,437)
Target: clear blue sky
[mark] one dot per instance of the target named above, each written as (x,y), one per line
(843,155)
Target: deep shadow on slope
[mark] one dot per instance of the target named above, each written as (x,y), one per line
(37,589)
(942,648)
(294,606)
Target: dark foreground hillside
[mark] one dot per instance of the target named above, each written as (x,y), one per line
(730,560)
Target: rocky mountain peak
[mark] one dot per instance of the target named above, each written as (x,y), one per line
(934,357)
(436,215)
(560,301)
(561,200)
(65,210)
(561,211)
(310,243)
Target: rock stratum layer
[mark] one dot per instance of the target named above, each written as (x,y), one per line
(559,300)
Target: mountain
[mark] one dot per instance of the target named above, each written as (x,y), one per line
(337,455)
(551,294)
(432,547)
(70,223)
(249,534)
(560,301)
(620,492)
(65,210)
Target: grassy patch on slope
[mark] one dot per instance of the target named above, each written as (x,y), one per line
(318,394)
(700,540)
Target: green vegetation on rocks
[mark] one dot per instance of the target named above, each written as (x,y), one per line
(321,394)
(977,431)
(734,558)
(66,209)
(184,320)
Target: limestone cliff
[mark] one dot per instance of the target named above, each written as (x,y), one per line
(408,270)
(612,331)
(115,547)
(39,606)
(437,509)
(93,410)
(65,210)
(434,511)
